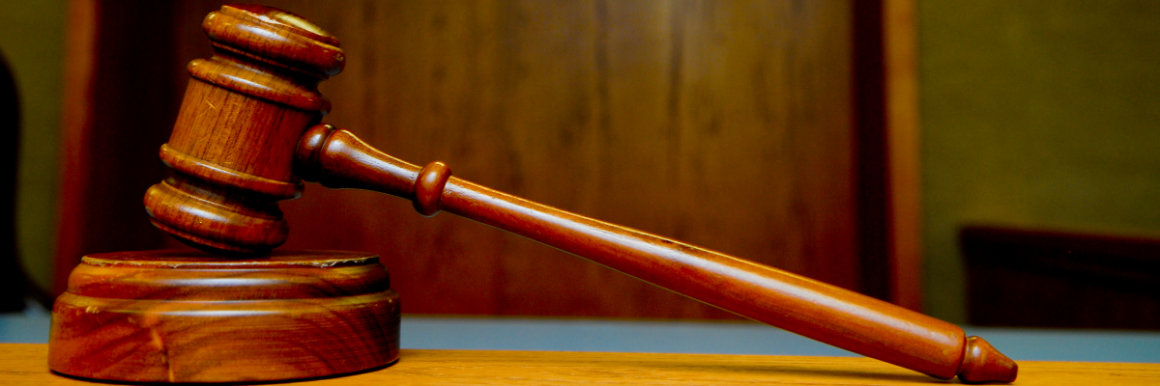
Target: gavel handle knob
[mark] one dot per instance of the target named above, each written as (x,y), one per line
(832,315)
(429,187)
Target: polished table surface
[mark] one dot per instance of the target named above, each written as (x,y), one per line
(26,364)
(684,337)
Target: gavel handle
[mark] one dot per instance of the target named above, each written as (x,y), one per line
(842,318)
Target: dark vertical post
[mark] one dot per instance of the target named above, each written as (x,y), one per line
(870,148)
(13,284)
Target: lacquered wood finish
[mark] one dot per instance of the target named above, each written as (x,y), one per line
(722,124)
(244,109)
(855,322)
(23,365)
(903,151)
(615,110)
(119,97)
(338,159)
(886,103)
(186,316)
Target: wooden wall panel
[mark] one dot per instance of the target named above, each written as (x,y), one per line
(886,128)
(120,102)
(903,150)
(724,124)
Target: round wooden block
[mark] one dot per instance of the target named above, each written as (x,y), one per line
(187,316)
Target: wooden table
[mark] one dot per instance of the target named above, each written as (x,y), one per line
(26,364)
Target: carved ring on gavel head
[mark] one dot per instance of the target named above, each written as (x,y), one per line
(250,116)
(233,144)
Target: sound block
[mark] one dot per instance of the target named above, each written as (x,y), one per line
(188,316)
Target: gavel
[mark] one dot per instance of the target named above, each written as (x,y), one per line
(248,133)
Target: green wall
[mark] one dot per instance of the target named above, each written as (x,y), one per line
(32,39)
(1038,113)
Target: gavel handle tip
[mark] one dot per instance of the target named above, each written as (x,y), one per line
(982,363)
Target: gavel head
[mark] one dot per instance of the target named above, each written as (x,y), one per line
(232,147)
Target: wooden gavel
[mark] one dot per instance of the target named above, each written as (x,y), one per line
(248,130)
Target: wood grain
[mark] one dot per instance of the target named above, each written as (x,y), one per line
(24,365)
(120,97)
(187,316)
(663,116)
(628,112)
(842,318)
(903,150)
(239,129)
(244,110)
(886,130)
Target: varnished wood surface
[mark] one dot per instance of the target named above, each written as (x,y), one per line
(233,143)
(613,110)
(813,309)
(25,365)
(638,136)
(886,127)
(237,133)
(187,316)
(120,97)
(903,150)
